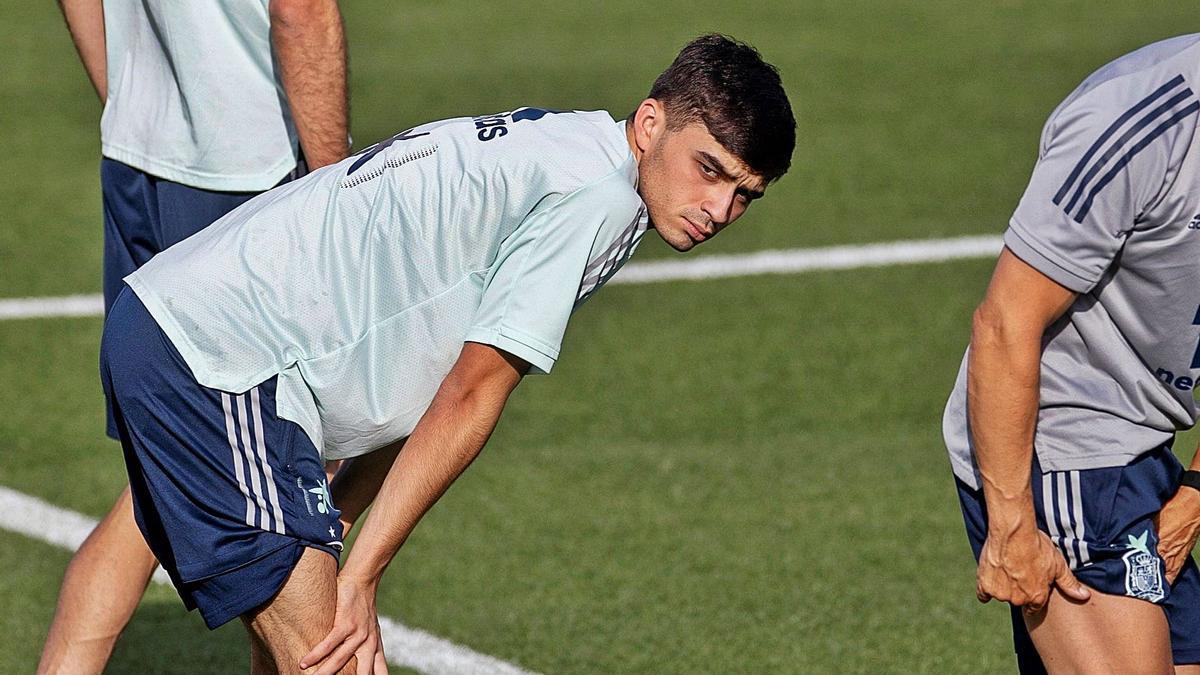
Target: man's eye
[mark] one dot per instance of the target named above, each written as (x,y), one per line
(708,170)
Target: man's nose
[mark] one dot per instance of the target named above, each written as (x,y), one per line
(718,205)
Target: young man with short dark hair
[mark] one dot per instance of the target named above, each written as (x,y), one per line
(396,299)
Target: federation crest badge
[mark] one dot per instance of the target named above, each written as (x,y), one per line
(1143,570)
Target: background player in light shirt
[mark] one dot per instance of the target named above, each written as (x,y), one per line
(381,310)
(1083,360)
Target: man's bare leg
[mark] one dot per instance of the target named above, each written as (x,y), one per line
(285,629)
(1106,634)
(100,591)
(356,482)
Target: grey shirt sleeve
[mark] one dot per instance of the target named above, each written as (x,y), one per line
(1106,157)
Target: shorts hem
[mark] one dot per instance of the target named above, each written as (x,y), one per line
(198,573)
(1185,657)
(216,617)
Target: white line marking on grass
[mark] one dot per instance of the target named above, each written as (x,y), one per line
(788,261)
(40,308)
(405,646)
(792,261)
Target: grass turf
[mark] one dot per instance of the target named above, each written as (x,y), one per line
(735,476)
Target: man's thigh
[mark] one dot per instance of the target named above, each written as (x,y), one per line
(300,615)
(1106,634)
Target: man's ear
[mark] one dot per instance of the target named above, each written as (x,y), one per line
(649,123)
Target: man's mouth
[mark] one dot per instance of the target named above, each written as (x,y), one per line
(694,231)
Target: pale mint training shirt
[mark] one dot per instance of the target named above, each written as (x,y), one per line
(194,96)
(358,284)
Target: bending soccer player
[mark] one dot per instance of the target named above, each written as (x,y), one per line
(1083,360)
(396,297)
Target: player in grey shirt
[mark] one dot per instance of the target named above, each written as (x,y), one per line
(1084,354)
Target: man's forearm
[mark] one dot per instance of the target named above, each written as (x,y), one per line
(310,46)
(444,443)
(1002,400)
(85,21)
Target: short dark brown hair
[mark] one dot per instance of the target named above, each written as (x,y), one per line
(739,97)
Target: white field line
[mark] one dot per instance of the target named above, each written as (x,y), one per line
(795,260)
(404,646)
(41,308)
(789,261)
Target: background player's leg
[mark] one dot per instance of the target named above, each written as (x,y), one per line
(101,589)
(1109,633)
(358,480)
(300,615)
(107,576)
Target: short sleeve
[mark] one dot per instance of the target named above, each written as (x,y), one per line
(531,290)
(1107,154)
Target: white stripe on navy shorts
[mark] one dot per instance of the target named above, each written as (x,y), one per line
(250,459)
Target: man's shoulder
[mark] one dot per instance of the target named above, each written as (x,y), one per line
(574,146)
(1150,75)
(610,195)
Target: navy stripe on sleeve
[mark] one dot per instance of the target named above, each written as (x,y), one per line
(1115,148)
(1112,129)
(1141,145)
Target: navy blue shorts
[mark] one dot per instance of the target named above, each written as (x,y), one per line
(144,215)
(226,493)
(1103,522)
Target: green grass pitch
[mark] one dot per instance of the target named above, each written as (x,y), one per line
(724,476)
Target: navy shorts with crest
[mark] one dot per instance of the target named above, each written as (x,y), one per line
(226,493)
(1103,522)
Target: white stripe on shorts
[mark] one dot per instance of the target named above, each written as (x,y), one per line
(231,433)
(248,452)
(1084,557)
(261,439)
(1048,509)
(1064,516)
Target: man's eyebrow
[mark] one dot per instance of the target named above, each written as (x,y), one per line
(751,195)
(716,165)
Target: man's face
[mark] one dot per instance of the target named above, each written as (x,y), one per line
(692,187)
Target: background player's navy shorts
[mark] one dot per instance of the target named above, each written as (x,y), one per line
(1103,522)
(226,493)
(144,215)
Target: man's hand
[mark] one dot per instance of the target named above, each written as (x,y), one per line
(1021,568)
(1178,526)
(355,633)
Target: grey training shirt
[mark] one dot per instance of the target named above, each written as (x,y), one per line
(1112,212)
